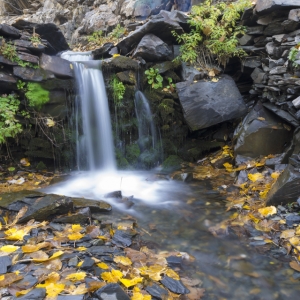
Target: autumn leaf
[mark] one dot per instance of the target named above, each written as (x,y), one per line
(23,292)
(125,261)
(112,277)
(267,211)
(79,290)
(15,234)
(171,273)
(81,248)
(294,265)
(9,278)
(153,271)
(103,266)
(228,167)
(286,234)
(76,227)
(140,296)
(75,236)
(255,177)
(76,276)
(9,248)
(25,162)
(52,289)
(131,282)
(33,248)
(50,122)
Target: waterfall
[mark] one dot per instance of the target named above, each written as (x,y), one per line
(94,142)
(146,127)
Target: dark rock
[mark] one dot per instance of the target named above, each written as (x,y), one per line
(120,62)
(246,40)
(81,217)
(96,206)
(28,58)
(122,239)
(259,76)
(5,263)
(5,61)
(7,82)
(255,30)
(286,189)
(127,77)
(27,282)
(268,6)
(47,31)
(189,73)
(278,70)
(17,267)
(261,133)
(151,48)
(60,67)
(101,250)
(111,291)
(206,103)
(77,297)
(73,262)
(252,62)
(174,261)
(294,15)
(103,51)
(9,31)
(27,44)
(156,291)
(30,74)
(115,194)
(174,286)
(87,263)
(161,25)
(36,294)
(292,219)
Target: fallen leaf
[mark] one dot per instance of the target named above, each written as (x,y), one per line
(112,277)
(287,234)
(267,211)
(76,276)
(255,177)
(131,282)
(9,248)
(294,265)
(50,122)
(125,261)
(9,278)
(103,266)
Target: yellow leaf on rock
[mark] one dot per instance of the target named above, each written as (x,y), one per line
(76,228)
(50,122)
(131,282)
(52,289)
(140,296)
(25,162)
(267,211)
(42,259)
(228,167)
(79,290)
(79,264)
(103,266)
(125,261)
(275,175)
(2,277)
(294,241)
(254,219)
(153,271)
(76,276)
(75,236)
(33,248)
(255,177)
(112,277)
(287,234)
(15,234)
(116,55)
(9,248)
(24,292)
(9,278)
(171,273)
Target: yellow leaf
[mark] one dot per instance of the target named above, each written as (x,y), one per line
(50,122)
(75,236)
(9,248)
(267,211)
(76,228)
(287,233)
(15,234)
(254,219)
(294,241)
(79,264)
(103,266)
(81,248)
(255,177)
(116,55)
(215,79)
(131,282)
(171,273)
(125,261)
(79,290)
(112,277)
(76,276)
(52,289)
(140,296)
(9,278)
(228,167)
(153,271)
(25,162)
(275,175)
(246,207)
(42,259)
(24,292)
(33,248)
(261,119)
(2,277)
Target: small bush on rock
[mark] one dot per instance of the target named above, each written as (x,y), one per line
(36,95)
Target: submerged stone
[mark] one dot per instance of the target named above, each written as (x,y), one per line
(122,239)
(111,291)
(36,294)
(5,263)
(175,286)
(156,291)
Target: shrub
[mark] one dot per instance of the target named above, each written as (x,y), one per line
(118,90)
(36,95)
(154,78)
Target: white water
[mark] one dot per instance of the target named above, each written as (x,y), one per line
(95,150)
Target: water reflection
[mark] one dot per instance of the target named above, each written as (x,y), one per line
(176,216)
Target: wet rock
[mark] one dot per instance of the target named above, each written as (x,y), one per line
(81,217)
(174,286)
(120,62)
(96,206)
(287,187)
(78,297)
(156,291)
(9,31)
(103,51)
(111,291)
(101,250)
(261,133)
(7,82)
(190,73)
(115,194)
(252,62)
(174,261)
(259,76)
(5,263)
(294,15)
(207,103)
(265,7)
(151,48)
(28,58)
(122,239)
(87,263)
(30,74)
(127,77)
(73,262)
(292,218)
(60,67)
(28,45)
(36,294)
(5,61)
(27,282)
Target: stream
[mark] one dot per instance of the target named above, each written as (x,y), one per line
(173,215)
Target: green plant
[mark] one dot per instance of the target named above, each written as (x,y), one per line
(117,32)
(118,91)
(9,51)
(293,54)
(35,40)
(37,96)
(96,37)
(154,78)
(171,85)
(9,125)
(21,85)
(216,27)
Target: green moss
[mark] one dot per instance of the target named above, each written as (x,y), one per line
(173,162)
(132,153)
(41,166)
(36,95)
(122,162)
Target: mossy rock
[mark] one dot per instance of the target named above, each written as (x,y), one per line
(120,62)
(172,163)
(132,154)
(36,95)
(122,162)
(127,77)
(149,159)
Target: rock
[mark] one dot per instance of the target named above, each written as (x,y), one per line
(252,62)
(122,239)
(207,103)
(120,62)
(28,57)
(5,263)
(261,133)
(87,263)
(259,76)
(189,73)
(36,294)
(30,74)
(60,67)
(294,15)
(7,82)
(27,282)
(151,48)
(101,250)
(156,291)
(246,40)
(95,206)
(77,297)
(8,62)
(81,217)
(278,70)
(268,6)
(160,25)
(111,291)
(115,195)
(292,219)
(9,31)
(296,102)
(127,77)
(103,51)
(286,189)
(174,286)
(28,45)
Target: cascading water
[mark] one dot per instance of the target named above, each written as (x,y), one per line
(94,145)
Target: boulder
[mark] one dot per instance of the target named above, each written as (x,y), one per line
(151,48)
(287,187)
(28,45)
(111,291)
(161,25)
(59,66)
(268,6)
(9,31)
(206,103)
(7,82)
(103,51)
(30,74)
(261,133)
